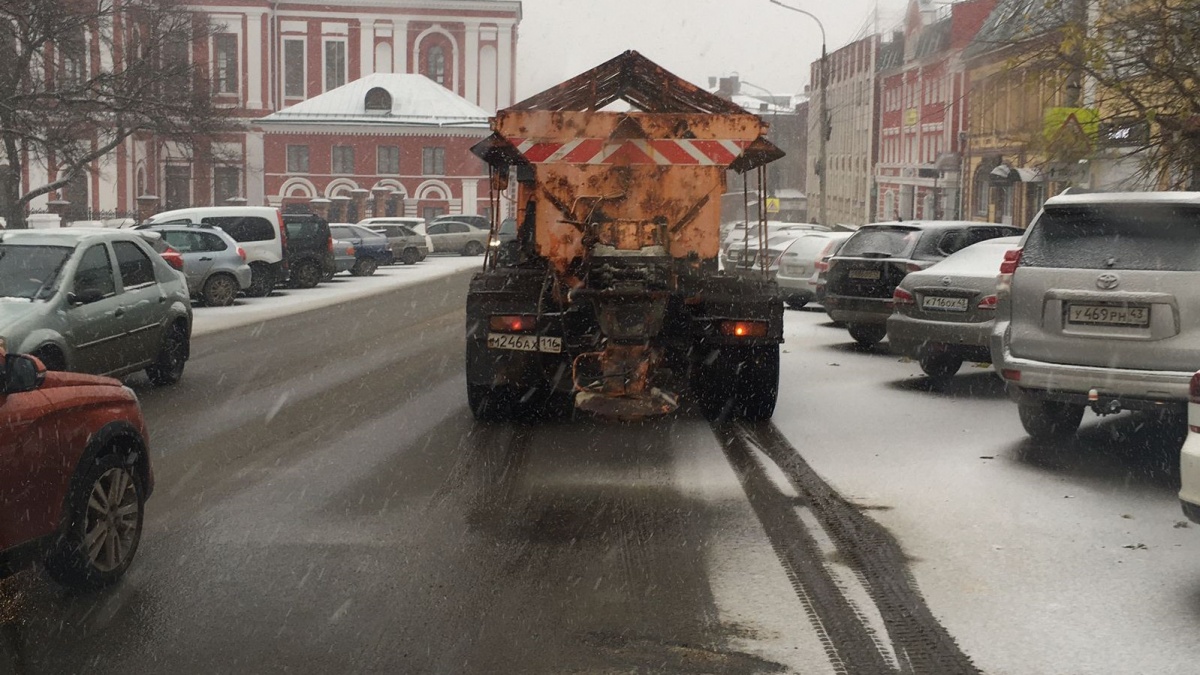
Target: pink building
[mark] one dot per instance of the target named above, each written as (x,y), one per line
(384,144)
(268,56)
(923,111)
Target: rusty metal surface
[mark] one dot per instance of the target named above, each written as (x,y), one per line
(633,78)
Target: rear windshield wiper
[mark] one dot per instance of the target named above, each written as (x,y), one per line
(874,254)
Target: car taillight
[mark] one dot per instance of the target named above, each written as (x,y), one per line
(282,229)
(173,258)
(914,267)
(1011,375)
(1194,389)
(242,253)
(743,328)
(512,323)
(988,303)
(902,297)
(331,244)
(1012,258)
(349,250)
(822,265)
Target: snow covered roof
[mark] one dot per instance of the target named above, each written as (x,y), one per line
(396,99)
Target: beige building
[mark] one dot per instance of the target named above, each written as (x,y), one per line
(851,148)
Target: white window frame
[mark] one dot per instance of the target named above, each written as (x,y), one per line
(237,41)
(303,40)
(325,61)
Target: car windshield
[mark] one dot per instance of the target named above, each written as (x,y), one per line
(1161,238)
(654,337)
(30,272)
(881,242)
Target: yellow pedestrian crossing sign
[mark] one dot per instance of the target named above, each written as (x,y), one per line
(772,204)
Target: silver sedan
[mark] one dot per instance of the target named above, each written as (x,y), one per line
(943,315)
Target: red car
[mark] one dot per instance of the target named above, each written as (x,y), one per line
(74,472)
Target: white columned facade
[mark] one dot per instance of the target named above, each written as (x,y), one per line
(254,59)
(471,60)
(400,46)
(470,196)
(366,46)
(504,74)
(255,160)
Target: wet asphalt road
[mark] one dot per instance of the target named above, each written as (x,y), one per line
(325,503)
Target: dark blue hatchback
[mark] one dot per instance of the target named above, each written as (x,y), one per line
(371,249)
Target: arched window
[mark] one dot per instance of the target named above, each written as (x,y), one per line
(435,64)
(379,99)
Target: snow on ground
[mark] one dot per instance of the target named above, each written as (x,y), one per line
(287,301)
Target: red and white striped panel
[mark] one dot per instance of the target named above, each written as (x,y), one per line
(663,152)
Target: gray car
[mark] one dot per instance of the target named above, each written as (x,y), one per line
(943,315)
(94,301)
(408,246)
(214,264)
(1102,308)
(452,236)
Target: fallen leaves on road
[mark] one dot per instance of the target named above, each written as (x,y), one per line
(1136,547)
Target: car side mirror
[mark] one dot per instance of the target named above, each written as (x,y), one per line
(85,296)
(21,373)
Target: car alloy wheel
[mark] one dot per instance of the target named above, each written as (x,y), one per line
(473,248)
(111,526)
(220,290)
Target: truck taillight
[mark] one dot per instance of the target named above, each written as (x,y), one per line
(988,303)
(743,329)
(1012,258)
(512,323)
(902,297)
(1194,389)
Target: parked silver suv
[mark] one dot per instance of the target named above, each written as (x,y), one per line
(1100,308)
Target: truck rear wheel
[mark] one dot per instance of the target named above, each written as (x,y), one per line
(740,383)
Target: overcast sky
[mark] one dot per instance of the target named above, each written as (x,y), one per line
(763,43)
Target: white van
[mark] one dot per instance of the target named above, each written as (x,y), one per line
(258,229)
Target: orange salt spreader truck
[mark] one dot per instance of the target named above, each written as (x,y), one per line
(609,298)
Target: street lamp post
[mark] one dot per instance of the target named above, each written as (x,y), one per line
(774,109)
(823,124)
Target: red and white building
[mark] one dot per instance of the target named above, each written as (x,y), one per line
(398,143)
(923,111)
(270,56)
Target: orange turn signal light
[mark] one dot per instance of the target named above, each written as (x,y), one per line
(744,328)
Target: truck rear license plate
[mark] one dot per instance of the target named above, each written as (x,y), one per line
(1107,315)
(864,274)
(524,343)
(944,304)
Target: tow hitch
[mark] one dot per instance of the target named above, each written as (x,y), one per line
(1111,406)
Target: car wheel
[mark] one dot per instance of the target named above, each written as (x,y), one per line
(740,383)
(867,334)
(167,368)
(490,404)
(328,276)
(220,290)
(1050,420)
(262,281)
(306,274)
(473,248)
(796,302)
(51,357)
(411,256)
(364,267)
(103,525)
(940,364)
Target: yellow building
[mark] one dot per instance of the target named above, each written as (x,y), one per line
(1008,176)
